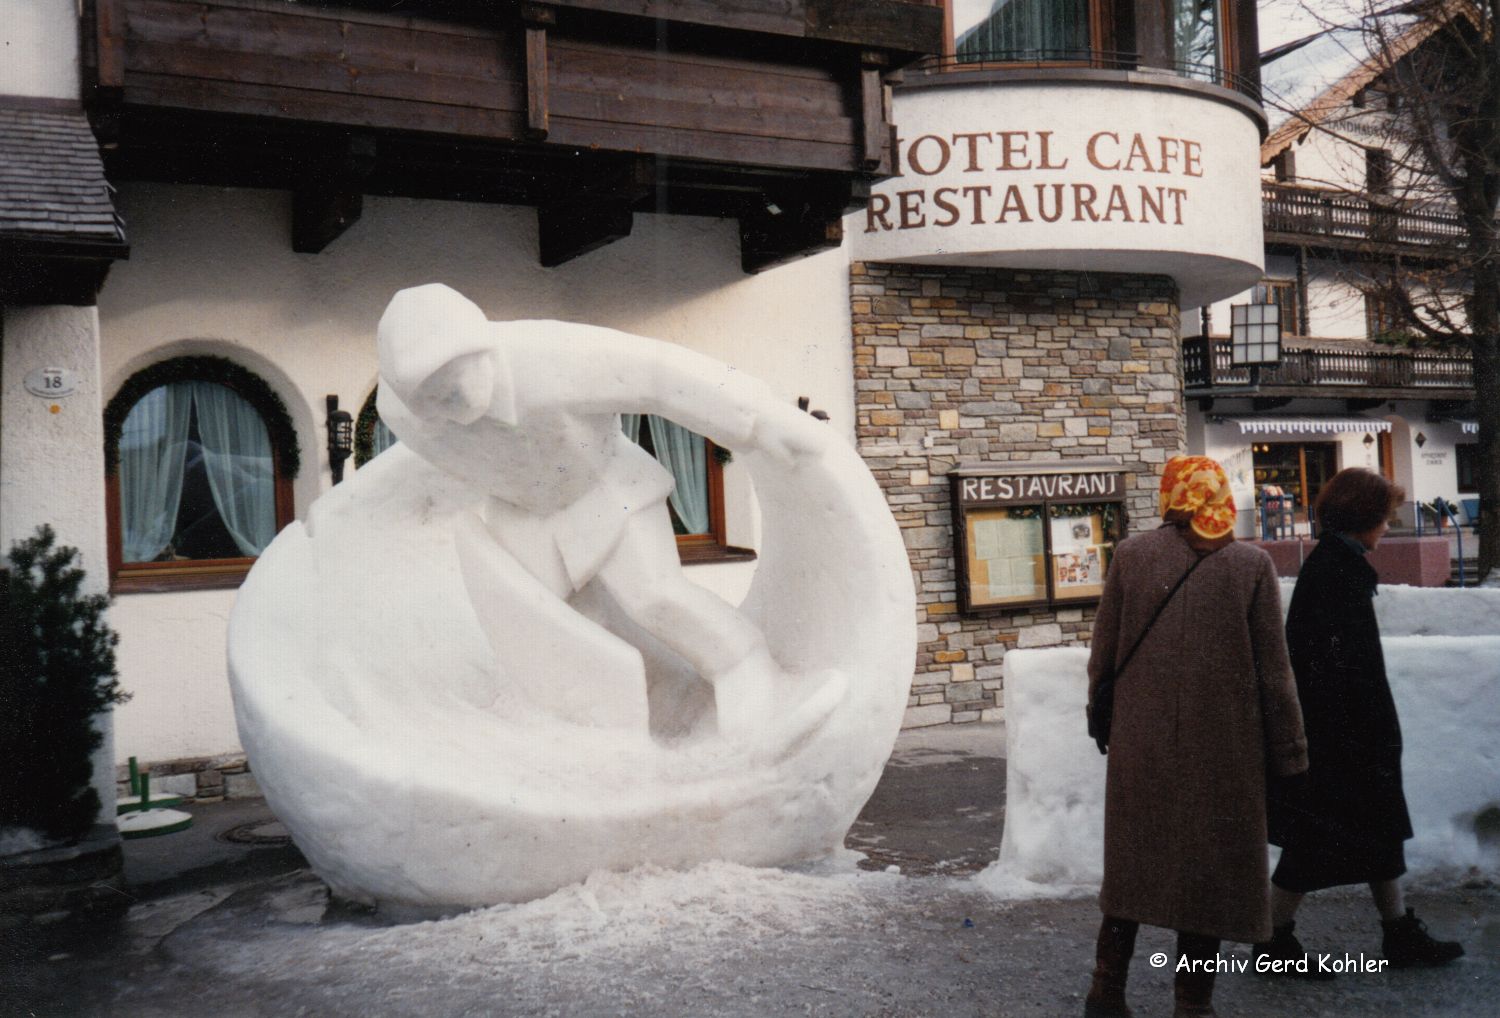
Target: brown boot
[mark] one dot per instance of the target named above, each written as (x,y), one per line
(1116,944)
(1193,987)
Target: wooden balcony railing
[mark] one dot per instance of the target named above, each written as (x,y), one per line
(1327,367)
(1341,215)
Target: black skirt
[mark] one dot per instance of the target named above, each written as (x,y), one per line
(1301,870)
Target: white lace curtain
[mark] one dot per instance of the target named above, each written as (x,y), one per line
(685,455)
(153,449)
(236,455)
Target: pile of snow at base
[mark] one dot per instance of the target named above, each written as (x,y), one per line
(1403,610)
(1447,691)
(700,917)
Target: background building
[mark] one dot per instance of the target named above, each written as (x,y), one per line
(1342,206)
(1071,176)
(280,169)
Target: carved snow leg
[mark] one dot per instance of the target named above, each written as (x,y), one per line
(563,662)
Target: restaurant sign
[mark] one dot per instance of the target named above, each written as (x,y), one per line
(1096,176)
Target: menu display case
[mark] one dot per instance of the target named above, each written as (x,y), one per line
(1029,536)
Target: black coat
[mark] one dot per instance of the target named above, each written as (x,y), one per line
(1354,801)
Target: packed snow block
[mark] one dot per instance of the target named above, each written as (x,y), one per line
(1437,611)
(1445,688)
(1428,611)
(412,668)
(1447,692)
(1053,840)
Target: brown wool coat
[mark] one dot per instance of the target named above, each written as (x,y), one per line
(1205,706)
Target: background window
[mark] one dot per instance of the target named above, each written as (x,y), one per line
(371,436)
(1465,457)
(696,504)
(1197,32)
(196,487)
(1021,30)
(1282,293)
(1377,171)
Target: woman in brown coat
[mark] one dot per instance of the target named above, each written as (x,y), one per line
(1203,706)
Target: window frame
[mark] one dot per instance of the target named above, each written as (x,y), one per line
(1270,291)
(194,574)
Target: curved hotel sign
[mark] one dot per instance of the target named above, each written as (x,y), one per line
(1105,177)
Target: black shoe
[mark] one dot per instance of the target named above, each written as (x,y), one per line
(1283,955)
(1407,944)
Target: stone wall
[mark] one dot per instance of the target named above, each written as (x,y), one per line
(957,365)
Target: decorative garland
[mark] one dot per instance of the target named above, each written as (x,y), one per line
(364,431)
(221,371)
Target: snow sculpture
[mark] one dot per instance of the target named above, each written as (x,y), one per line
(478,673)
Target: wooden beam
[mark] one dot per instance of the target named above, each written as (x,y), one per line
(109,43)
(1356,406)
(537,20)
(781,228)
(331,201)
(566,232)
(875,129)
(319,217)
(591,207)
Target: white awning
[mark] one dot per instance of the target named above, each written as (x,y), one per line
(1468,427)
(1270,425)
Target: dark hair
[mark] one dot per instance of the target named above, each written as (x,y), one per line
(1356,500)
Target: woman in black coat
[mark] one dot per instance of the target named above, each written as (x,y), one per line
(1345,821)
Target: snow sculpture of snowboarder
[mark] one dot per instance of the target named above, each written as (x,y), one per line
(527,413)
(476,672)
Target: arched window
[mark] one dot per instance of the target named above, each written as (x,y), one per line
(200,456)
(696,505)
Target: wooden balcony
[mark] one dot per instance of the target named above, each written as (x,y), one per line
(590,110)
(1354,222)
(1328,372)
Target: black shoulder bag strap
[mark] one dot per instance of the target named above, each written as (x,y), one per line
(1101,710)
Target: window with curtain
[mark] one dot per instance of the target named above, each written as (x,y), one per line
(999,30)
(197,491)
(694,465)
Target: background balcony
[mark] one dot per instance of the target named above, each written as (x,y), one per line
(1338,373)
(1346,220)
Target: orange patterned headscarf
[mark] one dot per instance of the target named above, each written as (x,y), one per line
(1198,485)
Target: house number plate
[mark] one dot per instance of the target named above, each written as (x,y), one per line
(51,383)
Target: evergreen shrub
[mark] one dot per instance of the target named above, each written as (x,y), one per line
(57,671)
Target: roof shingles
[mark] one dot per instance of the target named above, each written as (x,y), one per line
(52,184)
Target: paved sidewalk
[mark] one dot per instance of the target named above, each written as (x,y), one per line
(229,922)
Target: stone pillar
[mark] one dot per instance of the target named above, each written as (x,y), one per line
(958,365)
(52,457)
